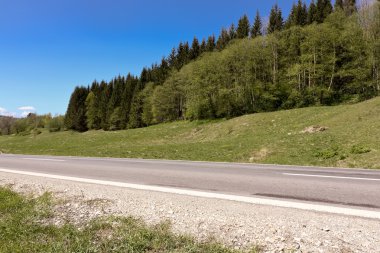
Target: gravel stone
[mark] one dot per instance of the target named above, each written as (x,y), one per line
(239,225)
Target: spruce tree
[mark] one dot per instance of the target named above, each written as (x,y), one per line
(103,105)
(203,46)
(303,13)
(312,13)
(292,19)
(223,39)
(349,7)
(232,32)
(324,8)
(276,21)
(195,49)
(338,4)
(298,15)
(172,59)
(210,46)
(257,26)
(243,28)
(75,118)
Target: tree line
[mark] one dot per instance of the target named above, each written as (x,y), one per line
(322,54)
(31,124)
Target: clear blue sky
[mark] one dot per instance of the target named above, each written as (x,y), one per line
(47,47)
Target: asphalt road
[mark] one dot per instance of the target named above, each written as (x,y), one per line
(347,187)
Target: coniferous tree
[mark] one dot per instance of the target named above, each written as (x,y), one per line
(348,6)
(203,46)
(75,118)
(292,20)
(302,9)
(257,26)
(92,107)
(338,4)
(298,15)
(232,32)
(324,8)
(276,21)
(210,46)
(195,49)
(103,105)
(173,58)
(243,28)
(135,117)
(126,100)
(312,13)
(223,39)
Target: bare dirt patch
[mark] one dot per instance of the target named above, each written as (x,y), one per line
(314,129)
(259,155)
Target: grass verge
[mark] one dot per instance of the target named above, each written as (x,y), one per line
(23,228)
(351,139)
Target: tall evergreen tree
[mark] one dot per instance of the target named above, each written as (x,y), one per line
(324,8)
(243,28)
(232,32)
(223,39)
(173,58)
(338,4)
(257,26)
(210,46)
(312,13)
(103,104)
(349,7)
(276,20)
(92,107)
(203,46)
(298,15)
(195,49)
(75,118)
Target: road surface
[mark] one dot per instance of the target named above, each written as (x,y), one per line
(352,188)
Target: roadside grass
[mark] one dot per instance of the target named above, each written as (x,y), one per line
(351,140)
(23,228)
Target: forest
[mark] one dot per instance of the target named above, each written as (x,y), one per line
(321,54)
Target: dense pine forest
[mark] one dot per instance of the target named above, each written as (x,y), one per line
(323,53)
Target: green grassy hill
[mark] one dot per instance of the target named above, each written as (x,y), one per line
(352,139)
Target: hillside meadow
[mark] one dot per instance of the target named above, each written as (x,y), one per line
(341,136)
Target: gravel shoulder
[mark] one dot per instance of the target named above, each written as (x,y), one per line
(235,224)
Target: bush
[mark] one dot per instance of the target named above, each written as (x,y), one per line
(358,149)
(55,124)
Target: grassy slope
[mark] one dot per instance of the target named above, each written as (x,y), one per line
(352,140)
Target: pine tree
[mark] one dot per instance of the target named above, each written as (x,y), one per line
(312,13)
(126,100)
(298,15)
(324,8)
(232,32)
(173,58)
(257,26)
(203,46)
(104,91)
(223,39)
(92,106)
(135,115)
(195,49)
(348,6)
(243,28)
(303,13)
(338,4)
(276,21)
(75,118)
(210,46)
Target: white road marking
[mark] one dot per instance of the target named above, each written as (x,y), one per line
(251,200)
(337,177)
(43,159)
